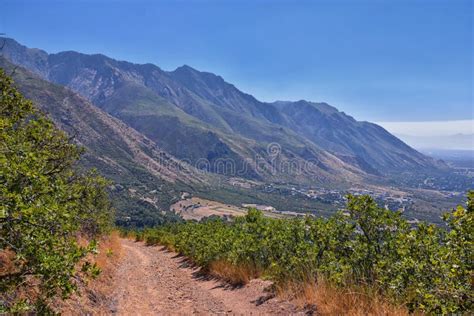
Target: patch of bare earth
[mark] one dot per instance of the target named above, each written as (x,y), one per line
(152,280)
(196,208)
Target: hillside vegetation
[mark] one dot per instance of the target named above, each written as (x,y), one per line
(424,268)
(46,205)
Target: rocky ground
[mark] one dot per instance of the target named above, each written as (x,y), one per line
(152,280)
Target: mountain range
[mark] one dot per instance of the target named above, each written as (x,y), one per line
(140,121)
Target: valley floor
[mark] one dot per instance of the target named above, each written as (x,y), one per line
(152,280)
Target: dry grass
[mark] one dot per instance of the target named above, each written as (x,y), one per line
(329,300)
(110,249)
(90,291)
(7,264)
(320,297)
(92,295)
(236,275)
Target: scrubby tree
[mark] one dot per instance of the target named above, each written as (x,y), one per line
(377,231)
(46,202)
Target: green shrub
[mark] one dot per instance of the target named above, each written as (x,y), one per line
(426,267)
(45,204)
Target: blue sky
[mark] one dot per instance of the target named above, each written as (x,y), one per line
(406,60)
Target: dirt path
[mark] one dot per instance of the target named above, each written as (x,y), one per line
(152,281)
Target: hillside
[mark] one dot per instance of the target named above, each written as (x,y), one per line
(197,115)
(145,177)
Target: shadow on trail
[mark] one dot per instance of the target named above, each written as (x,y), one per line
(199,273)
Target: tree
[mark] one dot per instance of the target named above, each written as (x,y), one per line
(460,254)
(46,202)
(377,232)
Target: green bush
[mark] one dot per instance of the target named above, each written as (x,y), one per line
(426,267)
(45,204)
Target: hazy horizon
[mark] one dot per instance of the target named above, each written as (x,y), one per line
(452,135)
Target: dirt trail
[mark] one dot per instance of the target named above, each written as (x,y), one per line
(151,280)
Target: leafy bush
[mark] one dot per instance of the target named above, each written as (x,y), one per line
(426,267)
(45,204)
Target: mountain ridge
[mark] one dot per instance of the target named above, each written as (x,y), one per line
(207,117)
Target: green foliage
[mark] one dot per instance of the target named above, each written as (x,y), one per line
(427,268)
(45,204)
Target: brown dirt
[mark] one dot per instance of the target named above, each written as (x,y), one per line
(204,208)
(92,297)
(152,280)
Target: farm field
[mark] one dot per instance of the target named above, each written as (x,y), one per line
(196,208)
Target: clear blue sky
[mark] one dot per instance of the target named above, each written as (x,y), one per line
(407,60)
